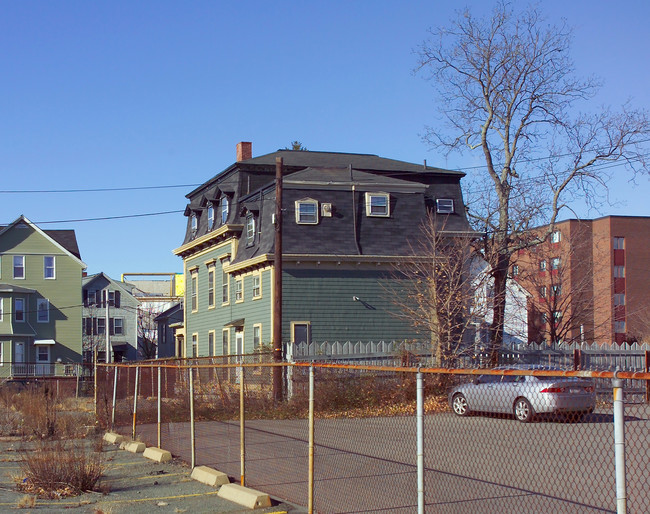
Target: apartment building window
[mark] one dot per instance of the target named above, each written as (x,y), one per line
(378,204)
(257,286)
(194,285)
(239,289)
(555,263)
(306,212)
(619,243)
(42,310)
(619,271)
(542,265)
(556,290)
(211,343)
(445,206)
(619,327)
(195,345)
(515,270)
(224,209)
(619,299)
(556,236)
(225,283)
(225,341)
(211,287)
(92,298)
(542,292)
(210,216)
(542,318)
(257,336)
(49,267)
(118,326)
(19,266)
(557,316)
(19,309)
(250,229)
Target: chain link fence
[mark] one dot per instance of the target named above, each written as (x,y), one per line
(347,438)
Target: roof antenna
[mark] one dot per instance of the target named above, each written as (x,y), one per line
(425,164)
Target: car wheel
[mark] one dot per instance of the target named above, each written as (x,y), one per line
(523,410)
(459,404)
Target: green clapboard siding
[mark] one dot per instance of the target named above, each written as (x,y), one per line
(325,299)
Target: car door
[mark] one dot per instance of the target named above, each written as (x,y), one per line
(483,394)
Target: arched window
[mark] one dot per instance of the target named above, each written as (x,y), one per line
(224,209)
(210,216)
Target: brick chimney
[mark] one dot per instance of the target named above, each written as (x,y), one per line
(244,151)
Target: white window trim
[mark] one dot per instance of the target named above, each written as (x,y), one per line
(306,201)
(39,302)
(239,295)
(13,261)
(2,312)
(293,327)
(261,341)
(227,340)
(250,229)
(121,326)
(194,291)
(225,285)
(445,206)
(212,349)
(195,345)
(53,277)
(369,197)
(194,224)
(257,276)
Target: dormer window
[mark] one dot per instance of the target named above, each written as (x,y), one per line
(378,204)
(210,216)
(250,228)
(224,209)
(194,224)
(444,206)
(307,211)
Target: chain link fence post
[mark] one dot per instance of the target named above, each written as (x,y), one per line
(420,439)
(619,445)
(192,438)
(159,408)
(310,479)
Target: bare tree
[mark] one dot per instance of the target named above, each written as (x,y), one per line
(507,89)
(147,331)
(440,290)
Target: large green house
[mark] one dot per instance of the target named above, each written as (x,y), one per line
(40,300)
(346,220)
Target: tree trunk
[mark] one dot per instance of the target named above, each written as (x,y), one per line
(499,308)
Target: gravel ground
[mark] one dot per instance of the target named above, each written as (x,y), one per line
(134,485)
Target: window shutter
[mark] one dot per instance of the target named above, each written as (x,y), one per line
(100,298)
(111,328)
(85,297)
(94,325)
(117,299)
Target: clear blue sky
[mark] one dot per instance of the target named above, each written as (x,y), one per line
(154,93)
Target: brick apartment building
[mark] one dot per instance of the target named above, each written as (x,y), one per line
(589,281)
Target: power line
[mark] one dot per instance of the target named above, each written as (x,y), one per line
(111,217)
(94,190)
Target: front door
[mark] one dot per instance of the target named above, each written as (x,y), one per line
(20,368)
(43,360)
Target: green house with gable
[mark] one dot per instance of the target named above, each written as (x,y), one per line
(40,300)
(347,220)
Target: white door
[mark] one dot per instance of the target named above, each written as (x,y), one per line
(20,368)
(43,360)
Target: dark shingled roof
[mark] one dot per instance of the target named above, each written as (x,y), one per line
(67,239)
(300,158)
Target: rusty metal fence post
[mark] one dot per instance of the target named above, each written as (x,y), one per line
(619,445)
(114,398)
(135,399)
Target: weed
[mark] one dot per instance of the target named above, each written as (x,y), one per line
(56,470)
(27,502)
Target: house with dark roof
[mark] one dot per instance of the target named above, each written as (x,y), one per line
(40,300)
(347,219)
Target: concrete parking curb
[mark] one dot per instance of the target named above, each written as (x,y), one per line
(209,476)
(135,447)
(157,454)
(113,438)
(244,496)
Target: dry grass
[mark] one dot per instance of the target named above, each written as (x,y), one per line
(27,502)
(56,470)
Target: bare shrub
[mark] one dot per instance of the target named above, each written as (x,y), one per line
(57,469)
(27,502)
(38,407)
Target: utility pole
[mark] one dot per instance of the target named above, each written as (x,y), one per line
(108,343)
(277,283)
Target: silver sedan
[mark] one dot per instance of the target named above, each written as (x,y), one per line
(524,396)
